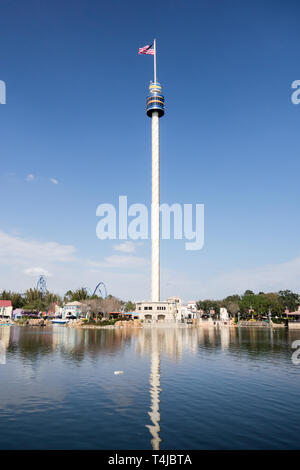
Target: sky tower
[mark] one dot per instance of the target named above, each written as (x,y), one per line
(155,110)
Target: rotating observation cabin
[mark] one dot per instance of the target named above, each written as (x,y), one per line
(155,100)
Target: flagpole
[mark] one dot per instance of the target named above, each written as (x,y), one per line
(154,60)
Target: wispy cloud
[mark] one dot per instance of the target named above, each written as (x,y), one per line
(35,271)
(267,278)
(53,180)
(30,177)
(126,247)
(118,261)
(17,249)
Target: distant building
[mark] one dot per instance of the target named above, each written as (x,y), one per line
(192,306)
(295,314)
(72,309)
(17,313)
(58,311)
(6,309)
(189,311)
(224,314)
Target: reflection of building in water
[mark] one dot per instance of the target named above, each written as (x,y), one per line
(4,343)
(225,337)
(165,340)
(5,335)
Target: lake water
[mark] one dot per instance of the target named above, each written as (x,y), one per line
(182,388)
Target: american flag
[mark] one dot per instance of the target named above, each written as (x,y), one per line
(146,50)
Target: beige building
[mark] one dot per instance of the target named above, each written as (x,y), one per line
(158,312)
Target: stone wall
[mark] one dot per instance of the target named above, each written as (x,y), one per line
(128,324)
(294,326)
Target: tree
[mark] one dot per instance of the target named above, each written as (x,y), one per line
(232,307)
(51,299)
(34,301)
(248,292)
(77,295)
(272,303)
(129,306)
(110,304)
(101,306)
(68,296)
(207,304)
(232,303)
(252,301)
(16,299)
(289,299)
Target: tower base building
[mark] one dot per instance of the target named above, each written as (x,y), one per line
(159,312)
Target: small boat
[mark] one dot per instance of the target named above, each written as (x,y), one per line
(59,321)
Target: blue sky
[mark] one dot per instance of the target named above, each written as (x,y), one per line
(75,112)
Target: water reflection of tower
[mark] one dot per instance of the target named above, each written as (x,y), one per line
(155,400)
(157,341)
(149,341)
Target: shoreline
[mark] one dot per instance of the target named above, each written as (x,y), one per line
(290,326)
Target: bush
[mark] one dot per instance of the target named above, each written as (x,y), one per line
(109,322)
(21,321)
(278,320)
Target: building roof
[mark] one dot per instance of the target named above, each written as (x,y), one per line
(73,303)
(5,303)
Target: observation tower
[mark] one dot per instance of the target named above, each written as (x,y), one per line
(155,109)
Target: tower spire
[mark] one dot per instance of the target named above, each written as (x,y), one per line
(154,47)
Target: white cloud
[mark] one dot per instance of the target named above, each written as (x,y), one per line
(126,247)
(37,272)
(16,249)
(267,278)
(53,180)
(118,261)
(272,277)
(30,177)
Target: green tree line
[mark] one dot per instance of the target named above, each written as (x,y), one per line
(34,300)
(257,304)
